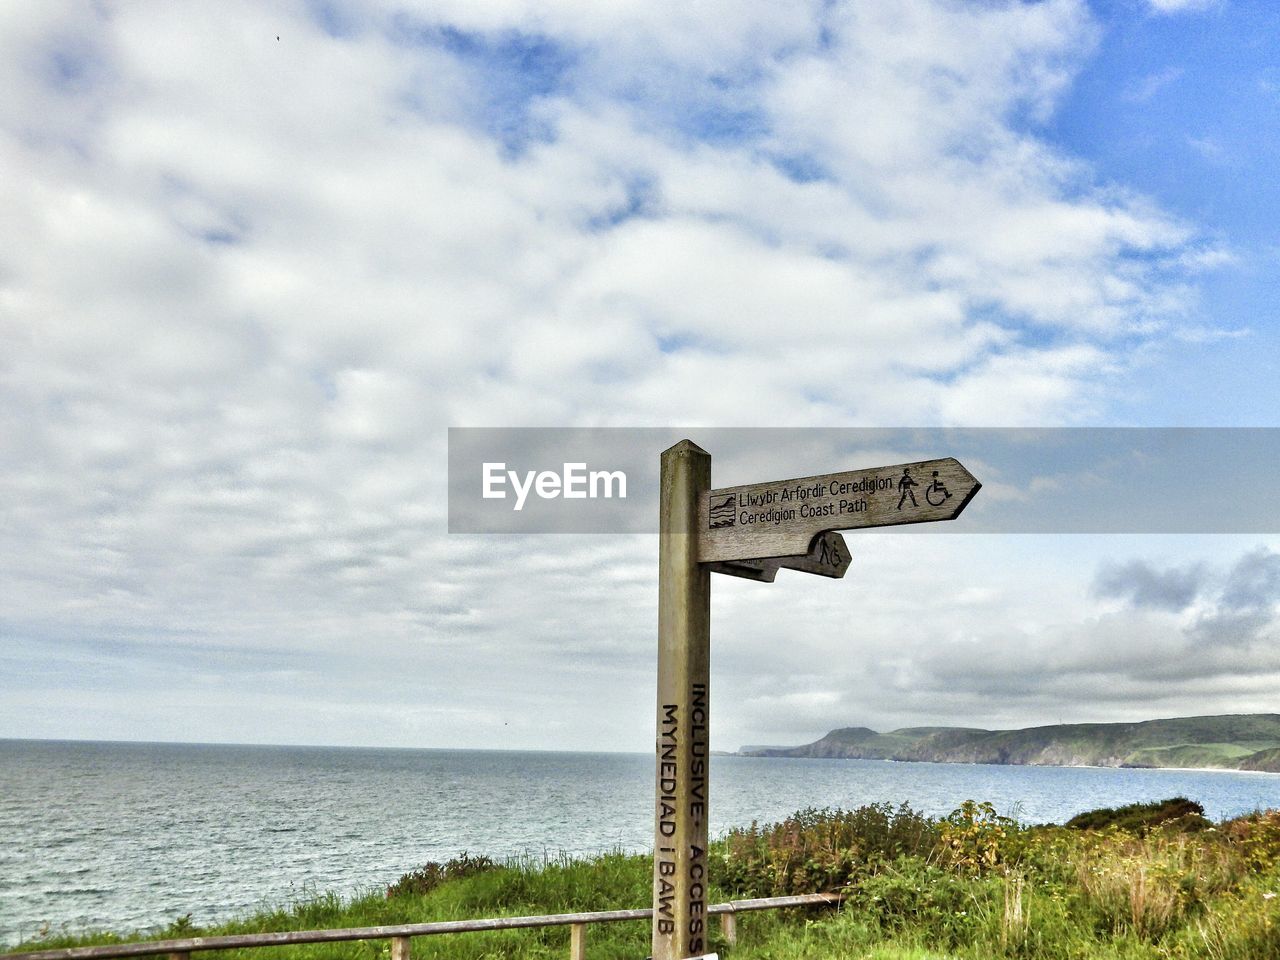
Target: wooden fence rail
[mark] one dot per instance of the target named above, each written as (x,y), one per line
(399,934)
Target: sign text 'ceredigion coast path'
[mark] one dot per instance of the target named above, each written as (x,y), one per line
(750,531)
(780,518)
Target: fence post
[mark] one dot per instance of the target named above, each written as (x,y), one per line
(578,941)
(399,948)
(729,927)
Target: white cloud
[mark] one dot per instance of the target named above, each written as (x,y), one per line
(1211,150)
(1152,84)
(1183,6)
(246,284)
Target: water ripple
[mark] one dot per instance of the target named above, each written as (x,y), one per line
(94,838)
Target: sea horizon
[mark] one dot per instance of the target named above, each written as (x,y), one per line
(319,746)
(620,753)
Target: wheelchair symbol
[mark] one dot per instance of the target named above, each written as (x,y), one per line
(936,494)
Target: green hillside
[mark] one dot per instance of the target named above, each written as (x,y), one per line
(1238,741)
(1266,760)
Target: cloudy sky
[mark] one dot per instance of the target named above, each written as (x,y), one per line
(256,256)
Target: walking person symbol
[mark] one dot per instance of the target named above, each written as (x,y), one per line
(936,488)
(905,483)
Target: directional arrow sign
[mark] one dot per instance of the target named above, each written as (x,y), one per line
(829,557)
(780,519)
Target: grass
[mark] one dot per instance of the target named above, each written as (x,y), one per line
(1126,884)
(1199,755)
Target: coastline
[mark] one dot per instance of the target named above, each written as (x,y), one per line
(1041,766)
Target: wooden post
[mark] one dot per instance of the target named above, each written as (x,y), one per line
(578,941)
(729,927)
(684,638)
(399,948)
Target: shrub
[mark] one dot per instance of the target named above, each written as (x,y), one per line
(974,838)
(1257,837)
(422,881)
(922,899)
(816,850)
(1177,815)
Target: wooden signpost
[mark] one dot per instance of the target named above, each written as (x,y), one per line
(748,531)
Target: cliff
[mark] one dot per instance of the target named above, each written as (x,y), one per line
(1234,742)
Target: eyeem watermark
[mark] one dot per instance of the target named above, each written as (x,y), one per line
(574,482)
(1070,480)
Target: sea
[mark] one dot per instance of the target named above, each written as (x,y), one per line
(132,836)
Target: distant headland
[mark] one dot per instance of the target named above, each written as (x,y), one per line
(1248,741)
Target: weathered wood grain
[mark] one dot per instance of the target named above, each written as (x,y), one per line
(828,557)
(781,518)
(682,745)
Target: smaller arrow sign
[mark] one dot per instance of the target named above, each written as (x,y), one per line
(828,557)
(780,519)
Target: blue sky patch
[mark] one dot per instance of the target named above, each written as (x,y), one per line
(799,167)
(513,71)
(220,237)
(679,342)
(335,17)
(721,123)
(73,67)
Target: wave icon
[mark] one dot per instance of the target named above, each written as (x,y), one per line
(722,514)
